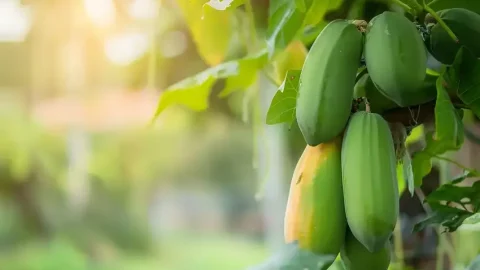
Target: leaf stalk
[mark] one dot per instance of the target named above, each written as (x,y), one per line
(442,23)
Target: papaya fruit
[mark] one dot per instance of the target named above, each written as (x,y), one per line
(356,257)
(465,24)
(315,215)
(378,102)
(396,57)
(327,80)
(369,179)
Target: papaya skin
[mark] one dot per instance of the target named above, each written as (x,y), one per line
(327,80)
(356,257)
(379,103)
(369,179)
(396,57)
(315,196)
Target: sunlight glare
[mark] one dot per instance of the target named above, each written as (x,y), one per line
(173,44)
(101,12)
(126,48)
(15,21)
(144,9)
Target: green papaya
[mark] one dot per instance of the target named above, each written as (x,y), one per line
(327,80)
(465,24)
(396,57)
(379,103)
(315,215)
(369,179)
(356,257)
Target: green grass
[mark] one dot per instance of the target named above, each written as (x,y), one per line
(179,252)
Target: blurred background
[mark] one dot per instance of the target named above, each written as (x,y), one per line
(86,184)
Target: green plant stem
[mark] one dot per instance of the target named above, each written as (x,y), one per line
(403,5)
(415,5)
(441,22)
(360,74)
(433,2)
(453,162)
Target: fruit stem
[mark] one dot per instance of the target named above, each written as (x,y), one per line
(360,74)
(442,23)
(367,104)
(415,5)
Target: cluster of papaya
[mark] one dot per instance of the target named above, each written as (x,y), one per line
(344,194)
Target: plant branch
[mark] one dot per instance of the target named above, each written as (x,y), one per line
(442,23)
(433,2)
(451,161)
(403,5)
(360,74)
(421,196)
(415,5)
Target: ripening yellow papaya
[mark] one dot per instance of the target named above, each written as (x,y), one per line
(315,214)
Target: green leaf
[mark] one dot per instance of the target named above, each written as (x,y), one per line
(415,135)
(448,136)
(300,4)
(451,217)
(211,29)
(318,10)
(193,92)
(408,172)
(444,4)
(282,108)
(291,257)
(287,19)
(284,22)
(402,184)
(474,219)
(404,162)
(246,74)
(463,80)
(465,175)
(451,220)
(448,124)
(421,166)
